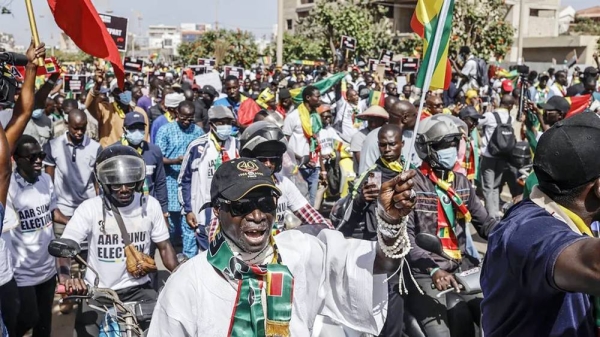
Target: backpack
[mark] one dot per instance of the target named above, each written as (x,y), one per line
(334,176)
(483,78)
(503,140)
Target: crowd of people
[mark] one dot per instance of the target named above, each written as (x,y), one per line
(241,181)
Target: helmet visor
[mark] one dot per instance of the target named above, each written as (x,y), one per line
(121,170)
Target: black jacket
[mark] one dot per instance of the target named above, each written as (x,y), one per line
(424,219)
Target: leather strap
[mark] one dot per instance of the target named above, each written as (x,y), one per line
(121,224)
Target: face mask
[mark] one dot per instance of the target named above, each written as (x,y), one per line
(223,131)
(447,157)
(37,113)
(134,137)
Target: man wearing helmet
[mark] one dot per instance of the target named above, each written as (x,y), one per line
(266,142)
(120,170)
(445,205)
(202,158)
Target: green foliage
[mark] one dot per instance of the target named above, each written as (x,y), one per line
(481,27)
(586,26)
(296,47)
(329,20)
(242,50)
(72,57)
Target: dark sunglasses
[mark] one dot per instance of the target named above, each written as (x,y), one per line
(264,159)
(34,157)
(117,187)
(246,206)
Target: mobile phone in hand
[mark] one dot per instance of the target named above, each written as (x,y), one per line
(375,179)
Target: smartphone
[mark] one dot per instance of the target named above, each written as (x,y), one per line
(375,179)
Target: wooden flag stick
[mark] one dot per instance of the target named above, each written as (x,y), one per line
(34,30)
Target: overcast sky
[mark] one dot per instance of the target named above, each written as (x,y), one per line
(257,16)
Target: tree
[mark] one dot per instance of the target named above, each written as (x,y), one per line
(586,26)
(481,26)
(296,47)
(242,50)
(361,19)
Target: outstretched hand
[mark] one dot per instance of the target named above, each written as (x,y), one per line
(397,197)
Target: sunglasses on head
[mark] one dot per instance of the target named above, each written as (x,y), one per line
(35,156)
(246,206)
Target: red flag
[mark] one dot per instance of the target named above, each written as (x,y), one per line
(81,22)
(578,104)
(247,111)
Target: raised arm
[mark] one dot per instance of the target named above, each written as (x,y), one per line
(24,105)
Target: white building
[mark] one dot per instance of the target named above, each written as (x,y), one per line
(7,41)
(164,38)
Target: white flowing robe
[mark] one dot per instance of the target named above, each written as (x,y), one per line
(333,276)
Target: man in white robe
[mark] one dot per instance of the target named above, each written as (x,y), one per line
(344,279)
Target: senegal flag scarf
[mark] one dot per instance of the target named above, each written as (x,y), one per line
(448,200)
(472,155)
(248,318)
(311,125)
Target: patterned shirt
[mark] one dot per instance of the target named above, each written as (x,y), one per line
(173,141)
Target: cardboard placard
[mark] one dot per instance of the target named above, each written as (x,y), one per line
(373,64)
(212,78)
(380,71)
(133,65)
(117,27)
(209,63)
(386,56)
(74,83)
(235,71)
(348,43)
(198,70)
(409,65)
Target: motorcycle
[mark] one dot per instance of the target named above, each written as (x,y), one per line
(121,319)
(468,282)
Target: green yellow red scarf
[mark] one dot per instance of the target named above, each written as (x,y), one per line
(248,318)
(446,211)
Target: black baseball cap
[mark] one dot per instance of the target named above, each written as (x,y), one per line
(556,103)
(236,178)
(590,71)
(567,155)
(470,112)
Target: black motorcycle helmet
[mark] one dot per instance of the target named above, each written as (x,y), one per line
(263,139)
(120,164)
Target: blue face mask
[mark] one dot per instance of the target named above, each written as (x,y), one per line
(134,137)
(447,157)
(37,113)
(223,131)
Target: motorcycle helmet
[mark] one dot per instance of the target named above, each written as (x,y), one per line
(119,164)
(263,139)
(435,131)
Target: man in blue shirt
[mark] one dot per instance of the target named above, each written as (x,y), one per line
(234,98)
(173,139)
(542,269)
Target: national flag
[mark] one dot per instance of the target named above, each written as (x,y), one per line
(425,22)
(344,88)
(323,86)
(247,111)
(81,22)
(376,98)
(578,104)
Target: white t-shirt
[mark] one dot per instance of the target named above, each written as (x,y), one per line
(144,222)
(333,276)
(344,115)
(327,138)
(33,204)
(470,70)
(488,123)
(555,91)
(292,127)
(7,270)
(290,199)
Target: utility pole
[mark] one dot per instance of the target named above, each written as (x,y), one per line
(216,14)
(521,28)
(279,33)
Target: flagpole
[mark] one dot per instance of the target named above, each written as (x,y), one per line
(34,30)
(428,75)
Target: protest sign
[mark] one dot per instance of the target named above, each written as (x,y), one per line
(409,65)
(117,28)
(74,83)
(212,78)
(348,43)
(234,71)
(133,65)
